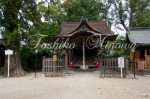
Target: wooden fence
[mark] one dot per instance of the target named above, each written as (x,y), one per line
(110,67)
(53,68)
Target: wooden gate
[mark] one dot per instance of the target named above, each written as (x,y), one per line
(53,68)
(109,67)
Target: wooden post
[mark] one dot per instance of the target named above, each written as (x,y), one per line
(54,64)
(145,57)
(127,66)
(134,61)
(65,59)
(83,54)
(100,61)
(43,67)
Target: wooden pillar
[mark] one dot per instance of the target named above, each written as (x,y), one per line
(100,60)
(66,63)
(145,52)
(54,64)
(126,66)
(65,56)
(43,65)
(99,55)
(83,54)
(145,57)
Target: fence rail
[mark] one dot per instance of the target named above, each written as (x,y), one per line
(110,67)
(53,68)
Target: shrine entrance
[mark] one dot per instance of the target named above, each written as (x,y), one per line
(83,57)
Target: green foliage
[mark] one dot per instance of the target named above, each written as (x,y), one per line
(140,13)
(119,52)
(144,21)
(17,17)
(28,58)
(128,13)
(13,39)
(117,13)
(51,11)
(59,54)
(75,9)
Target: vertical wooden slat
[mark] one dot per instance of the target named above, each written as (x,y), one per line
(51,70)
(46,65)
(43,67)
(113,71)
(104,66)
(118,70)
(110,67)
(51,66)
(101,68)
(58,66)
(107,67)
(115,61)
(115,66)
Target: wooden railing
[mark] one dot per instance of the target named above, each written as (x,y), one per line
(53,68)
(109,67)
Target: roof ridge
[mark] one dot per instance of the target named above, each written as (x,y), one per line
(87,22)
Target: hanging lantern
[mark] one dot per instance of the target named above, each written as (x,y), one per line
(70,64)
(97,64)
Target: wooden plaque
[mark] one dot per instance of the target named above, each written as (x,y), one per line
(54,57)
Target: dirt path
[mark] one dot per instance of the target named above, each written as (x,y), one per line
(77,85)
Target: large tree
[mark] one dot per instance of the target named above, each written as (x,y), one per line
(51,17)
(16,19)
(140,13)
(123,14)
(75,9)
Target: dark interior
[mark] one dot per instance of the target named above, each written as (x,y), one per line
(90,55)
(2,56)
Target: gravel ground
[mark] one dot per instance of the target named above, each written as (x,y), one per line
(76,85)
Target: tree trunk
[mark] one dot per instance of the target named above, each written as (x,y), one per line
(16,69)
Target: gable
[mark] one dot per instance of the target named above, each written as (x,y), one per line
(100,27)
